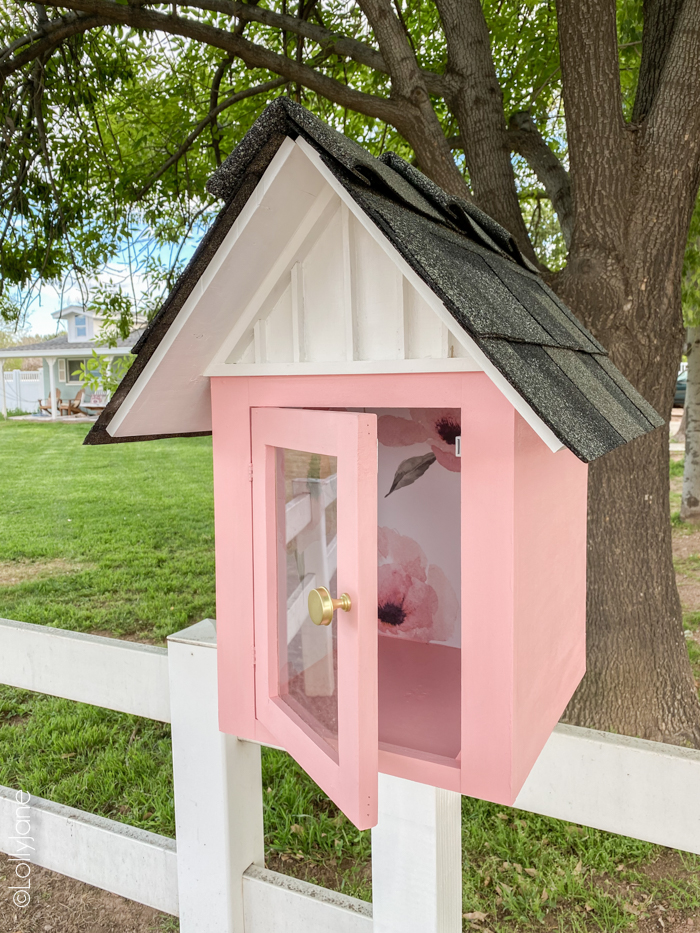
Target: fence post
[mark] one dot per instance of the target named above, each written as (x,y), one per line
(417,859)
(218,791)
(16,376)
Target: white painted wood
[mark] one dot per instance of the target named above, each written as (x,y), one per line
(425,334)
(356,367)
(276,903)
(171,390)
(417,859)
(348,279)
(218,791)
(101,852)
(297,284)
(259,342)
(247,354)
(646,790)
(298,605)
(119,675)
(273,282)
(52,389)
(279,327)
(325,332)
(2,382)
(624,785)
(378,288)
(297,515)
(456,348)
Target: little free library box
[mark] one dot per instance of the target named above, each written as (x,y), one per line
(402,416)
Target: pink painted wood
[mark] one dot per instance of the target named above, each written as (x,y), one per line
(523,591)
(348,776)
(523,569)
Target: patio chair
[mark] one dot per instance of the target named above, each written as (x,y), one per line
(71,406)
(45,403)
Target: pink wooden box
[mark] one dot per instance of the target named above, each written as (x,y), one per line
(471,718)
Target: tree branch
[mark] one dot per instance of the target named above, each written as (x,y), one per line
(254,56)
(408,87)
(527,141)
(329,41)
(593,104)
(477,102)
(672,131)
(214,103)
(45,39)
(202,125)
(659,23)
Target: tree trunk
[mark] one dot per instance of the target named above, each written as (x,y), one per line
(679,436)
(635,643)
(690,501)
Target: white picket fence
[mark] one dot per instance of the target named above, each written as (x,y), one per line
(22,390)
(214,877)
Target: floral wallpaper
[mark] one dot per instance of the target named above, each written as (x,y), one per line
(419,524)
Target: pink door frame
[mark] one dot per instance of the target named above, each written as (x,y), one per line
(350,777)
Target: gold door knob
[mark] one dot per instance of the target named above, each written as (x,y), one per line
(322,605)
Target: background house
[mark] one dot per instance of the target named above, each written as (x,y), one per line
(62,357)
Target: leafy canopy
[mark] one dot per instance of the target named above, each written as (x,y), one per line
(112,136)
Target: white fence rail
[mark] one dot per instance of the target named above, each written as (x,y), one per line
(22,389)
(215,879)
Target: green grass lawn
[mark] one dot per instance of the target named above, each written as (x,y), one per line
(120,540)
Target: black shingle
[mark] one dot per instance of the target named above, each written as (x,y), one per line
(557,400)
(583,370)
(462,273)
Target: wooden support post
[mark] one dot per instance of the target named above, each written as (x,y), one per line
(416,859)
(218,791)
(52,389)
(2,380)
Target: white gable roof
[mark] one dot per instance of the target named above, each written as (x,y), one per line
(303,282)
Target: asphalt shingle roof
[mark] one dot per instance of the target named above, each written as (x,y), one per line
(468,260)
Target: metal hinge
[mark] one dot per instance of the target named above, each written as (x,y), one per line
(458,446)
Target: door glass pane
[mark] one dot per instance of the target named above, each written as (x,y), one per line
(306,488)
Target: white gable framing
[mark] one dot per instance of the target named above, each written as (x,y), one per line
(303,283)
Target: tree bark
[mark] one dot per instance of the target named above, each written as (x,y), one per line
(408,89)
(690,500)
(635,643)
(477,101)
(679,436)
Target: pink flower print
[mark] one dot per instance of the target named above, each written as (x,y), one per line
(415,599)
(438,427)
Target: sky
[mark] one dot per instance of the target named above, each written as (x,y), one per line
(52,297)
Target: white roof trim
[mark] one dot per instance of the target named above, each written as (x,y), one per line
(188,307)
(429,296)
(344,367)
(63,352)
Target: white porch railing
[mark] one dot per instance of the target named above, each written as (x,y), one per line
(214,879)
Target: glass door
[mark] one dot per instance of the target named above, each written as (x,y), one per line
(315,576)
